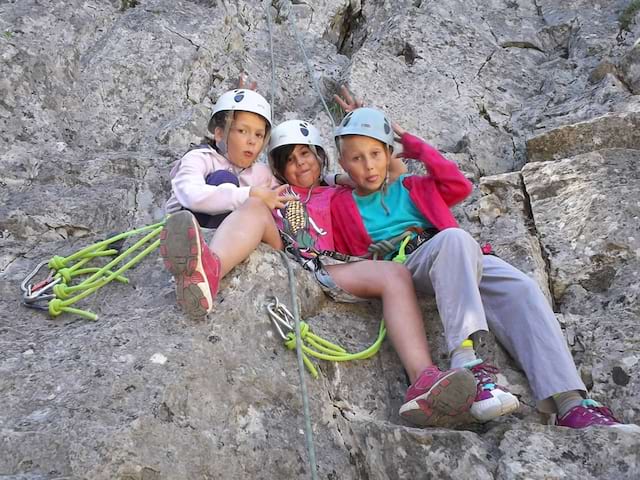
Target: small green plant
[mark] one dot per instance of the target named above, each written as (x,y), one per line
(8,34)
(336,111)
(628,15)
(125,4)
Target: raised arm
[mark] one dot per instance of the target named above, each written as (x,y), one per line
(452,185)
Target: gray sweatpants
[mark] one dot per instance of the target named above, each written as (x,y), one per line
(476,292)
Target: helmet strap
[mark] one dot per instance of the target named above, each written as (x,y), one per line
(227,129)
(385,183)
(320,159)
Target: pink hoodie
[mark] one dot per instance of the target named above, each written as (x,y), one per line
(190,190)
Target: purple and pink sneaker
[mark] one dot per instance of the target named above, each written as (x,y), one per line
(592,414)
(491,400)
(437,398)
(194,266)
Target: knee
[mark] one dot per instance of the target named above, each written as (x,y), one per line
(256,211)
(256,206)
(397,275)
(525,287)
(220,177)
(458,239)
(455,235)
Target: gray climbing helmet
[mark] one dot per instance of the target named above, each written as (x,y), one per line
(368,122)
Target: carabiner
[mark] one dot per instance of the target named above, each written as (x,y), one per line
(34,272)
(278,314)
(31,295)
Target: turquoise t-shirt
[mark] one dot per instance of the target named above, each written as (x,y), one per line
(402,215)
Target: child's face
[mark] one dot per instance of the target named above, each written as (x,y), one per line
(302,168)
(366,160)
(246,138)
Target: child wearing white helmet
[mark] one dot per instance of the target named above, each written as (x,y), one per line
(474,292)
(219,185)
(237,133)
(213,181)
(298,158)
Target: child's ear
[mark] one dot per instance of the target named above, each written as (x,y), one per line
(218,134)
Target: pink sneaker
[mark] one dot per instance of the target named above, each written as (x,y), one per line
(195,267)
(592,414)
(436,398)
(492,400)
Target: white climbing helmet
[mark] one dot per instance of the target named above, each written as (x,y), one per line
(368,122)
(244,100)
(294,132)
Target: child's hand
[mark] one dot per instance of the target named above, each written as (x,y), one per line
(398,130)
(243,82)
(396,167)
(346,101)
(276,198)
(345,180)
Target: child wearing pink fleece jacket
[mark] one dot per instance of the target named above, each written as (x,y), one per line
(190,190)
(220,185)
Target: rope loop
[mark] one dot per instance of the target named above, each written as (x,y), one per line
(61,291)
(66,275)
(56,307)
(57,262)
(305,330)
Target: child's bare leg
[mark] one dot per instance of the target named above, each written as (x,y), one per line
(392,283)
(435,398)
(242,231)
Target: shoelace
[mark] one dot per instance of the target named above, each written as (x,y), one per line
(599,410)
(483,374)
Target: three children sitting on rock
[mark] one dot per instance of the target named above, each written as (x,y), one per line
(221,183)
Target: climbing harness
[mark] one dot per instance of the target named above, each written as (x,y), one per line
(56,293)
(381,249)
(408,242)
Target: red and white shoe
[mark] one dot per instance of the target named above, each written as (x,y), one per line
(194,266)
(437,398)
(492,400)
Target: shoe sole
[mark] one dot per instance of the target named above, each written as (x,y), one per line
(446,402)
(180,248)
(495,407)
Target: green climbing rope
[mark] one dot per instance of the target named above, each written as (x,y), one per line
(312,344)
(64,270)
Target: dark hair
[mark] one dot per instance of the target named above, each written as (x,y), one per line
(280,156)
(219,120)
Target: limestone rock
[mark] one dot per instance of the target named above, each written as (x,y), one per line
(630,68)
(586,211)
(607,131)
(98,99)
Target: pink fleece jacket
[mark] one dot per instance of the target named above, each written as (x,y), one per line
(190,190)
(432,195)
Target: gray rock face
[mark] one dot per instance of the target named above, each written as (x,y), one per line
(586,209)
(97,99)
(608,131)
(630,68)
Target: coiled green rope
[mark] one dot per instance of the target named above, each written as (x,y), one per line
(318,347)
(68,294)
